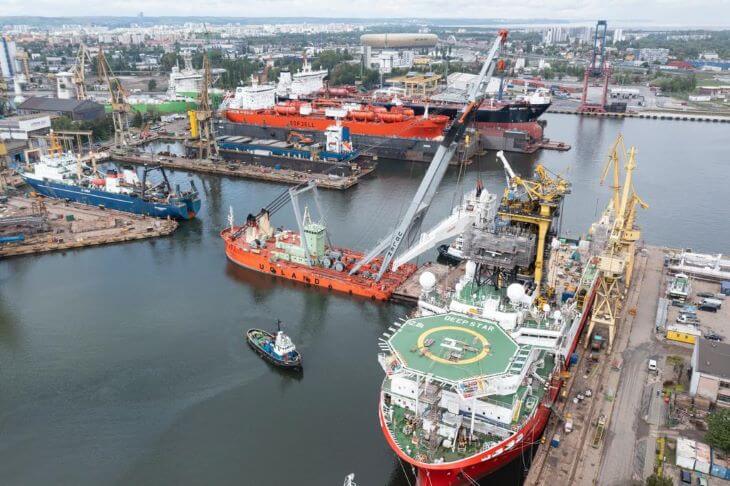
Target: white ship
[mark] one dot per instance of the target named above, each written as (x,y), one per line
(302,83)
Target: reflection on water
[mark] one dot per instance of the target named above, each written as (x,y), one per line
(128,364)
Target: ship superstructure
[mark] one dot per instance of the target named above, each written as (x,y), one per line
(302,83)
(61,175)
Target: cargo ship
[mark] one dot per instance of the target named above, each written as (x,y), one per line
(310,259)
(471,379)
(377,131)
(61,175)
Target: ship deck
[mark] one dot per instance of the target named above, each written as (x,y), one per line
(461,348)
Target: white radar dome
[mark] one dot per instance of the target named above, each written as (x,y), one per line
(557,315)
(427,280)
(515,292)
(546,308)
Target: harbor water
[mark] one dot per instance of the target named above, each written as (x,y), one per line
(128,364)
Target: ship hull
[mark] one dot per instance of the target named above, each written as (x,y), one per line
(119,202)
(410,128)
(466,471)
(259,261)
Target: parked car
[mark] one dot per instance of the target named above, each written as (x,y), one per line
(653,366)
(714,336)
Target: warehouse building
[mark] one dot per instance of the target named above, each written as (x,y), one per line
(711,371)
(77,110)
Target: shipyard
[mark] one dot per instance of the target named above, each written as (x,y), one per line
(344,248)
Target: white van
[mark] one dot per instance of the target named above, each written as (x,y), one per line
(652,366)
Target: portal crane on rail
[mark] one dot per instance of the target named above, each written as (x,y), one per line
(616,262)
(118,98)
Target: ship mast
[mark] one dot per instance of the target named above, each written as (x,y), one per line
(409,227)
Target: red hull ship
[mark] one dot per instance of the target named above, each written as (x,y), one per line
(310,260)
(360,120)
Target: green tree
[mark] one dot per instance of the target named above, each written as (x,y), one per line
(718,430)
(656,480)
(151,85)
(137,119)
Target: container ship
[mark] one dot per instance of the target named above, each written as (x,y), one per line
(470,381)
(61,175)
(311,258)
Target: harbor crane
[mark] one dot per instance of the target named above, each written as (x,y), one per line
(533,201)
(598,67)
(616,262)
(78,72)
(408,229)
(118,97)
(201,120)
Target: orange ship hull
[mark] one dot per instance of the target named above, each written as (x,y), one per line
(260,260)
(413,127)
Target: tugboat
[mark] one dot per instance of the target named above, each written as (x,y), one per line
(276,349)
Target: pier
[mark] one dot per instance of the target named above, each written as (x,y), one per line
(30,225)
(233,169)
(650,115)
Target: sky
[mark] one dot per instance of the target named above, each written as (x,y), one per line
(679,13)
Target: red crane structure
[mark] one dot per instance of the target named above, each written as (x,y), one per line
(597,68)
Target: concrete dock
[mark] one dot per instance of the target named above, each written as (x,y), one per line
(269,174)
(52,225)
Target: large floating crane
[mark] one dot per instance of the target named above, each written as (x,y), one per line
(409,227)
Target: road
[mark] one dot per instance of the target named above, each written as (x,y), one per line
(627,439)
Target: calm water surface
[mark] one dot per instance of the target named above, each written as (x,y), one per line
(127,365)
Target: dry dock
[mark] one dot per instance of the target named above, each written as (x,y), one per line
(51,225)
(269,174)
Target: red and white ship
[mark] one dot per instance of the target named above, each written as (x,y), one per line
(471,380)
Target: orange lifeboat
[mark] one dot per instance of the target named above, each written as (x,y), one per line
(285,110)
(391,117)
(363,115)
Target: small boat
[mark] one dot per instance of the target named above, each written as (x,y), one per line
(277,349)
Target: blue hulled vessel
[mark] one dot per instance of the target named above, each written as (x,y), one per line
(61,175)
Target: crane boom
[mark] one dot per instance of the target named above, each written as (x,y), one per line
(118,99)
(410,225)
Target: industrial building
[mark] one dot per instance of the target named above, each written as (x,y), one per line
(711,371)
(77,110)
(23,127)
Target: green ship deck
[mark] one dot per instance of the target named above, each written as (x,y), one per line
(453,347)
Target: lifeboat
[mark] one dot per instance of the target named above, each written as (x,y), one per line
(391,117)
(362,115)
(285,110)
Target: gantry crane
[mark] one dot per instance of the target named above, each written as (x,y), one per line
(616,262)
(598,67)
(201,120)
(118,98)
(533,201)
(78,72)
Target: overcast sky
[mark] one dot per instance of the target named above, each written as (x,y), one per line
(658,12)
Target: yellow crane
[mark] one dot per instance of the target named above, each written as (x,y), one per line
(616,262)
(78,71)
(201,120)
(533,201)
(118,98)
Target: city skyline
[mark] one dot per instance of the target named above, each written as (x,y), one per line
(703,13)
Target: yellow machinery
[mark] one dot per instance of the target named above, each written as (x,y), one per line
(79,72)
(201,120)
(533,201)
(118,98)
(616,263)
